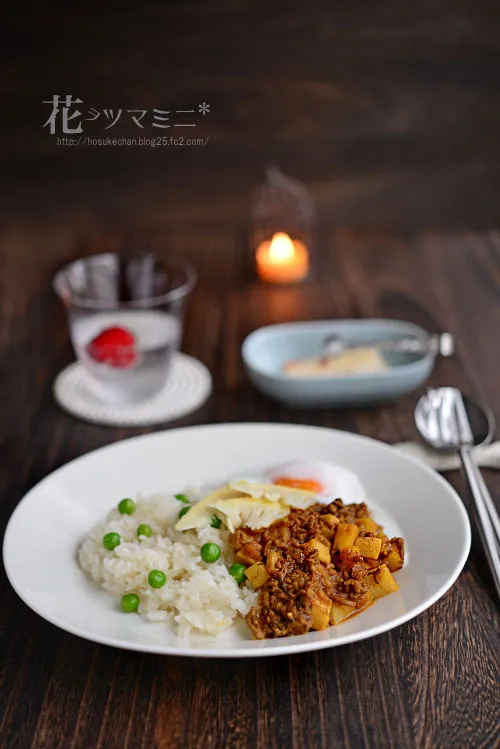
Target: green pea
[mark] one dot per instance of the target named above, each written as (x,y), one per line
(126,506)
(210,552)
(144,530)
(157,579)
(238,572)
(111,541)
(215,522)
(182,498)
(183,511)
(130,602)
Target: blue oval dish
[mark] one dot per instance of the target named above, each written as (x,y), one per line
(266,350)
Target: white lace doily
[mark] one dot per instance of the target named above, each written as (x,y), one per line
(188,387)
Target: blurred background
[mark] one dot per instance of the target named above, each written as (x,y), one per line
(389,112)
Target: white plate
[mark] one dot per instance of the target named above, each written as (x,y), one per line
(48,525)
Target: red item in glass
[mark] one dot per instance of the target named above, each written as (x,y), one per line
(115,347)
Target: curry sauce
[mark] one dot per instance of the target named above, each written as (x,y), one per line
(316,567)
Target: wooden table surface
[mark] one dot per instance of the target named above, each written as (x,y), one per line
(433,682)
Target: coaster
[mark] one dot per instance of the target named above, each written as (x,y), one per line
(188,387)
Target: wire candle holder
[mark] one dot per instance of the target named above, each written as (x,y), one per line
(283,221)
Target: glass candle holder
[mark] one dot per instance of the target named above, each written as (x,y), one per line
(283,221)
(125,319)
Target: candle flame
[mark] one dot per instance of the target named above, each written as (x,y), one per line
(281,248)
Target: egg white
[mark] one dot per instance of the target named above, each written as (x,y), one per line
(335,480)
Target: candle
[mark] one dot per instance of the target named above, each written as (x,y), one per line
(282,260)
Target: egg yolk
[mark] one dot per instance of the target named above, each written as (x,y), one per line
(309,485)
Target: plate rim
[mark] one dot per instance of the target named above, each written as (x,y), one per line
(256,652)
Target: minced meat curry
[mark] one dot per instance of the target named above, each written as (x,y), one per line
(316,567)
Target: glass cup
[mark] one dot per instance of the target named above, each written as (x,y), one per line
(125,316)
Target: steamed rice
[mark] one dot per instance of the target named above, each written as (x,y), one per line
(197,597)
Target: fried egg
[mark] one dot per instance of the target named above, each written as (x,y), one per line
(289,496)
(327,480)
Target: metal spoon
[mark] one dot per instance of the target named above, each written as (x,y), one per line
(446,420)
(440,343)
(436,423)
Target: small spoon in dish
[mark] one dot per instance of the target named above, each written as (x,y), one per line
(439,343)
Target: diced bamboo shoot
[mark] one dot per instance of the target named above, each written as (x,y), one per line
(369,547)
(368,525)
(346,535)
(381,582)
(329,519)
(322,549)
(340,612)
(249,554)
(350,553)
(394,560)
(271,561)
(320,610)
(257,575)
(241,558)
(320,616)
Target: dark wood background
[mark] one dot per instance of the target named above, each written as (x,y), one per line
(390,113)
(388,110)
